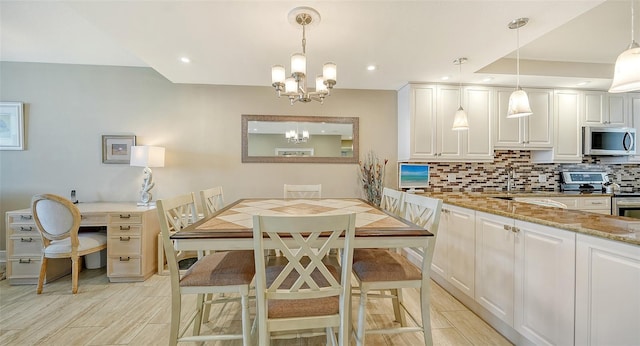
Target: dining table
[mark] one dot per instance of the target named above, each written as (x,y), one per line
(231,228)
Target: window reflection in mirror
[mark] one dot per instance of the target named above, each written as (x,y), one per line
(267,138)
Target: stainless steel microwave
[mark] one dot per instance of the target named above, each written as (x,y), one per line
(614,141)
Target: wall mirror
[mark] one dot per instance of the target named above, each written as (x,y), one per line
(299,139)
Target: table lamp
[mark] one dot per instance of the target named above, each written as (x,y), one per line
(147,157)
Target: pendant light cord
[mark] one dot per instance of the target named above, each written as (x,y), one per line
(632,20)
(460,82)
(518,57)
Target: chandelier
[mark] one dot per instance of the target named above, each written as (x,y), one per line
(294,137)
(295,86)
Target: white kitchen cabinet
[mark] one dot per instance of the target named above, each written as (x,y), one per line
(461,249)
(425,117)
(604,109)
(607,286)
(495,256)
(439,262)
(544,284)
(568,137)
(529,133)
(634,121)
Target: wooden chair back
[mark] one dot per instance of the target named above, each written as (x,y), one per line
(392,201)
(425,212)
(212,200)
(56,218)
(303,191)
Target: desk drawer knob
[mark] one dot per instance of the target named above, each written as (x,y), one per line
(125,238)
(125,259)
(128,216)
(26,229)
(23,260)
(26,217)
(125,228)
(26,240)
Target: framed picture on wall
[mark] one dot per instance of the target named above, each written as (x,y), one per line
(11,126)
(117,148)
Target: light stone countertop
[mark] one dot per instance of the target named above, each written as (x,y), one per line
(617,228)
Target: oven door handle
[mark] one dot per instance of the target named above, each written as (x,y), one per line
(623,204)
(627,138)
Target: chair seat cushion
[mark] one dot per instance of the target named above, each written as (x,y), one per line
(383,265)
(87,240)
(285,308)
(221,269)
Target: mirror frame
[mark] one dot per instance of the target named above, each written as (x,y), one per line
(314,119)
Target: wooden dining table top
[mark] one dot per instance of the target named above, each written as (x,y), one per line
(236,219)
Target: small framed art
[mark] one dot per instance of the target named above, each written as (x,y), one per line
(117,148)
(11,126)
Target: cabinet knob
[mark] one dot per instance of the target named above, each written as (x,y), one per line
(26,229)
(128,216)
(515,229)
(26,217)
(26,240)
(125,238)
(125,259)
(125,228)
(24,260)
(507,228)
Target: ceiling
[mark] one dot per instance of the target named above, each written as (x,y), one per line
(237,42)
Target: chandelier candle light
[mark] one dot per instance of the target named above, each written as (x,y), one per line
(518,101)
(295,86)
(626,76)
(460,121)
(147,156)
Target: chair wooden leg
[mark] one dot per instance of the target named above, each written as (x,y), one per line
(198,321)
(207,308)
(176,310)
(425,292)
(360,333)
(397,310)
(246,324)
(43,273)
(75,270)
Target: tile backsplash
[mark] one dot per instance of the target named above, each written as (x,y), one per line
(492,176)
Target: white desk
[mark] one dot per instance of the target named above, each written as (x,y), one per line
(131,243)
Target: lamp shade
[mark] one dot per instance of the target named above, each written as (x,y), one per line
(519,105)
(460,122)
(330,71)
(147,156)
(277,74)
(298,63)
(626,76)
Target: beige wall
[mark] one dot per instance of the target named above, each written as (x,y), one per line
(69,107)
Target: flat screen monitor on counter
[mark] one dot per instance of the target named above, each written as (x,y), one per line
(413,177)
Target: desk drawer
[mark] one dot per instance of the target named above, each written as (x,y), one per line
(594,203)
(125,218)
(20,218)
(26,245)
(125,230)
(124,266)
(24,229)
(24,267)
(88,219)
(124,245)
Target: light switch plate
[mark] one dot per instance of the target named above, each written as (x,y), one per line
(451,177)
(542,178)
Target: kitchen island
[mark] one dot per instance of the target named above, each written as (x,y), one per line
(539,274)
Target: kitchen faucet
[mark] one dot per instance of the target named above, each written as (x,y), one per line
(510,173)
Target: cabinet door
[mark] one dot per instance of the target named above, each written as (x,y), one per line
(607,286)
(617,109)
(594,108)
(539,125)
(423,118)
(509,132)
(634,121)
(461,249)
(439,260)
(478,140)
(494,265)
(449,142)
(568,143)
(544,284)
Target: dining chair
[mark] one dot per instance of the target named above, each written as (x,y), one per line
(303,191)
(304,290)
(379,270)
(212,200)
(392,201)
(217,273)
(58,221)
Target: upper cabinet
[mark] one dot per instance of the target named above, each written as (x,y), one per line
(604,109)
(425,118)
(567,107)
(534,132)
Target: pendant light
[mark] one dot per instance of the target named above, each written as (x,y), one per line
(460,121)
(518,101)
(626,75)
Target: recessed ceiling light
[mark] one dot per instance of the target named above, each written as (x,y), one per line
(487,79)
(445,77)
(583,83)
(185,60)
(371,67)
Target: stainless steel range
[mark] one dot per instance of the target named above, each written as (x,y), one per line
(626,204)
